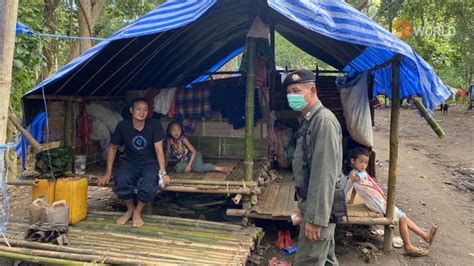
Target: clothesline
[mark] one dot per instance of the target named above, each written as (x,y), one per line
(22,29)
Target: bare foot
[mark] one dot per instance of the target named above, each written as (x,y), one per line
(225,170)
(137,219)
(124,218)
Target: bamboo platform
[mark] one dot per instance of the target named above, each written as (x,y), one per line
(161,241)
(211,182)
(278,199)
(277,203)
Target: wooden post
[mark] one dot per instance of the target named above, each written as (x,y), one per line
(69,132)
(393,158)
(371,96)
(249,108)
(8,14)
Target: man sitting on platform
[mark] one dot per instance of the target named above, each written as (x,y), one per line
(143,141)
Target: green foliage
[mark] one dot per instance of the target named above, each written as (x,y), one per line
(452,56)
(451,50)
(288,55)
(119,13)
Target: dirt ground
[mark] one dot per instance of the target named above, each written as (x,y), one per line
(435,184)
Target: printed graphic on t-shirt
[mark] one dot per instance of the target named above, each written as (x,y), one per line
(139,142)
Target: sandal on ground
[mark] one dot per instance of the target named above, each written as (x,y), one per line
(433,231)
(420,252)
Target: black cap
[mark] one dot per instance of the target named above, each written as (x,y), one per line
(298,76)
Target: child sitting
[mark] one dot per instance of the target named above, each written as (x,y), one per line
(183,151)
(375,200)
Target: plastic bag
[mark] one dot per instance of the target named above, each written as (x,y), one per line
(355,104)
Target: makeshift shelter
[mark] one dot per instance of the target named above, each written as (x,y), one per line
(180,41)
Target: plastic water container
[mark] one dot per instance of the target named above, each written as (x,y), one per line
(80,162)
(58,212)
(43,187)
(37,211)
(74,192)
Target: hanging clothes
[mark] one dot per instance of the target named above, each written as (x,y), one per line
(36,129)
(193,103)
(261,73)
(230,100)
(189,125)
(163,100)
(150,99)
(84,129)
(172,110)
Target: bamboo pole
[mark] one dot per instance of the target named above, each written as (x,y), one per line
(393,158)
(368,221)
(8,15)
(212,190)
(69,132)
(16,122)
(250,108)
(73,250)
(42,260)
(252,214)
(242,183)
(184,221)
(100,239)
(429,118)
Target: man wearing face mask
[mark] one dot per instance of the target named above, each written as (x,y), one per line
(317,165)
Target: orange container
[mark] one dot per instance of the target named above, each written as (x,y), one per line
(74,192)
(43,187)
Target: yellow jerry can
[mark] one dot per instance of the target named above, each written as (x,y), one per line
(43,187)
(74,192)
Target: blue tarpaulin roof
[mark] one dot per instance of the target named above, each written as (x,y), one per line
(180,38)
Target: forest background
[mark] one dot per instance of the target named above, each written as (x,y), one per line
(441,31)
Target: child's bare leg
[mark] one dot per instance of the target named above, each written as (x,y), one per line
(417,230)
(128,214)
(406,225)
(405,234)
(137,214)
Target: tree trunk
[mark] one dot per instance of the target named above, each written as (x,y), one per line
(88,13)
(50,47)
(8,14)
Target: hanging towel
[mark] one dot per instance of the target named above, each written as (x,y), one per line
(36,129)
(163,100)
(193,103)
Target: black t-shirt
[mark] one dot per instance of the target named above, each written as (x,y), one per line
(139,145)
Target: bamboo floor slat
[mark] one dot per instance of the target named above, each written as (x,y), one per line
(161,241)
(277,200)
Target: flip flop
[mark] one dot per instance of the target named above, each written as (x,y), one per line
(397,242)
(433,231)
(419,253)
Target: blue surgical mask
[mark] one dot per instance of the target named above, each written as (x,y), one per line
(297,101)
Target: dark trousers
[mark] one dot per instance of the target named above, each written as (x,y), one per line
(145,177)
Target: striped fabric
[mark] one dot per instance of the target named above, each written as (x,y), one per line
(36,129)
(170,15)
(338,20)
(331,18)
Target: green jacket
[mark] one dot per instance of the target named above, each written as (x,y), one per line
(316,192)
